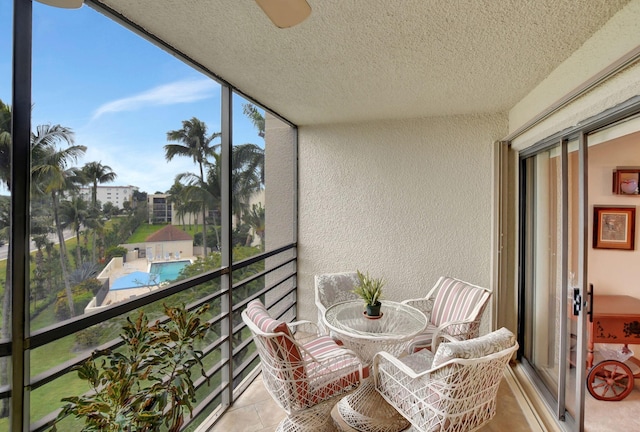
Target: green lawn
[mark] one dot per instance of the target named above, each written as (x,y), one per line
(144,231)
(47,398)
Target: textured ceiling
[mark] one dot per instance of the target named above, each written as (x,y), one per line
(358,60)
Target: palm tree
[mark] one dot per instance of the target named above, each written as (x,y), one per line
(74,213)
(5,144)
(251,111)
(177,200)
(247,176)
(94,173)
(41,227)
(255,219)
(52,177)
(196,144)
(201,194)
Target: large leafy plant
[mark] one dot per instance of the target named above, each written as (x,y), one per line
(148,383)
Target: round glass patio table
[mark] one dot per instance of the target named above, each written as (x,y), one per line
(365,409)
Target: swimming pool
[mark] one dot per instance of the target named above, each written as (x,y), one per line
(168,271)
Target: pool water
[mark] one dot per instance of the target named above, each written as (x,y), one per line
(168,271)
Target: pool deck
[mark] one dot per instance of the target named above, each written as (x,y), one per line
(140,264)
(132,265)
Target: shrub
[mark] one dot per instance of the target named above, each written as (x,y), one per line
(92,285)
(197,239)
(146,385)
(86,271)
(116,251)
(212,241)
(82,295)
(80,301)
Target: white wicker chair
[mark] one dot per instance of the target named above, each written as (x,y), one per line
(303,375)
(332,288)
(453,307)
(454,390)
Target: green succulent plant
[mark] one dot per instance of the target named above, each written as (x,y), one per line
(369,288)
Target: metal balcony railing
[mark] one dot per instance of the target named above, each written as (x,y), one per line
(229,354)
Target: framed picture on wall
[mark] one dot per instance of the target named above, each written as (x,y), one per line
(614,227)
(626,181)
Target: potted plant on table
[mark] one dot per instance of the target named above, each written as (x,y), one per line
(370,290)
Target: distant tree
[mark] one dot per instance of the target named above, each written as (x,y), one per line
(109,209)
(255,218)
(5,208)
(196,143)
(200,194)
(139,197)
(247,176)
(74,214)
(177,200)
(41,227)
(52,176)
(95,173)
(5,144)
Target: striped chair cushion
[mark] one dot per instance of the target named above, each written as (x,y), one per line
(284,350)
(329,378)
(455,300)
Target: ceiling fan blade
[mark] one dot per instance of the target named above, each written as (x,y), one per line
(66,4)
(285,13)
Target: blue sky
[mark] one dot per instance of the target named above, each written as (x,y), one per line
(119,93)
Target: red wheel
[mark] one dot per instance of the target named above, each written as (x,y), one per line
(610,380)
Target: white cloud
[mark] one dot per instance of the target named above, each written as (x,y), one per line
(177,92)
(148,170)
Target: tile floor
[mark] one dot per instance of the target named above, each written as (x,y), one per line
(255,411)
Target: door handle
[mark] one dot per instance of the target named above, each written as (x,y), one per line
(577,302)
(590,296)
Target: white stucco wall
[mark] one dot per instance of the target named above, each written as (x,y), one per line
(280,209)
(405,200)
(618,37)
(280,180)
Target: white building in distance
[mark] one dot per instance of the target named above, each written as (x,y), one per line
(116,195)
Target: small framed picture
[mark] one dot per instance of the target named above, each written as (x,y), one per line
(614,227)
(626,181)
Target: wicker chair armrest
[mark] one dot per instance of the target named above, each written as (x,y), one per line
(438,338)
(300,323)
(304,330)
(384,358)
(386,367)
(455,331)
(424,305)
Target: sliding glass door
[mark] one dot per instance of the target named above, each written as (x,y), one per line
(550,256)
